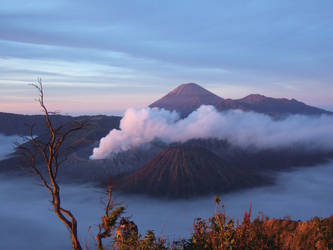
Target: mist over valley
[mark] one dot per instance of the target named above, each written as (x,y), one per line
(301,194)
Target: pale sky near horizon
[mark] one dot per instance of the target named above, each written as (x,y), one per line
(104,56)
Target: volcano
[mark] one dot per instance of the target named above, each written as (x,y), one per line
(186,98)
(183,171)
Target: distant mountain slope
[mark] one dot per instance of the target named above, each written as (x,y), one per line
(269,105)
(76,149)
(16,124)
(181,171)
(188,97)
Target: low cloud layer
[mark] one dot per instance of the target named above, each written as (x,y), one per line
(25,207)
(244,129)
(7,144)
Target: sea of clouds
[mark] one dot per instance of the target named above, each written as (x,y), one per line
(28,222)
(8,144)
(140,126)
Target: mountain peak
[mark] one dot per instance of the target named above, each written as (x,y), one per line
(189,89)
(253,98)
(186,98)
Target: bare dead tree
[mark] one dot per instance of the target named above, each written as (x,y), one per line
(50,151)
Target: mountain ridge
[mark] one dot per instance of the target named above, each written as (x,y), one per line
(187,97)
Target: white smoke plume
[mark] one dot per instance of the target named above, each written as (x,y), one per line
(244,129)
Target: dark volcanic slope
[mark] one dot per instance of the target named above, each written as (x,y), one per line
(186,171)
(187,98)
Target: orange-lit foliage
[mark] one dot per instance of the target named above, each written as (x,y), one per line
(220,232)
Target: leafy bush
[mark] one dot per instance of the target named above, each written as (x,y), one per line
(221,232)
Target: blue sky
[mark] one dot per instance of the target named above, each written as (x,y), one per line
(104,56)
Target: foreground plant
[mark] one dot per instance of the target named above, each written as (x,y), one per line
(107,227)
(221,232)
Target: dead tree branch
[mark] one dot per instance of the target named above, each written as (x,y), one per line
(48,150)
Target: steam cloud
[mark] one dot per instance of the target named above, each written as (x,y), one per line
(244,129)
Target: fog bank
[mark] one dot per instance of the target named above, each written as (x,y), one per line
(28,222)
(244,129)
(7,144)
(26,210)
